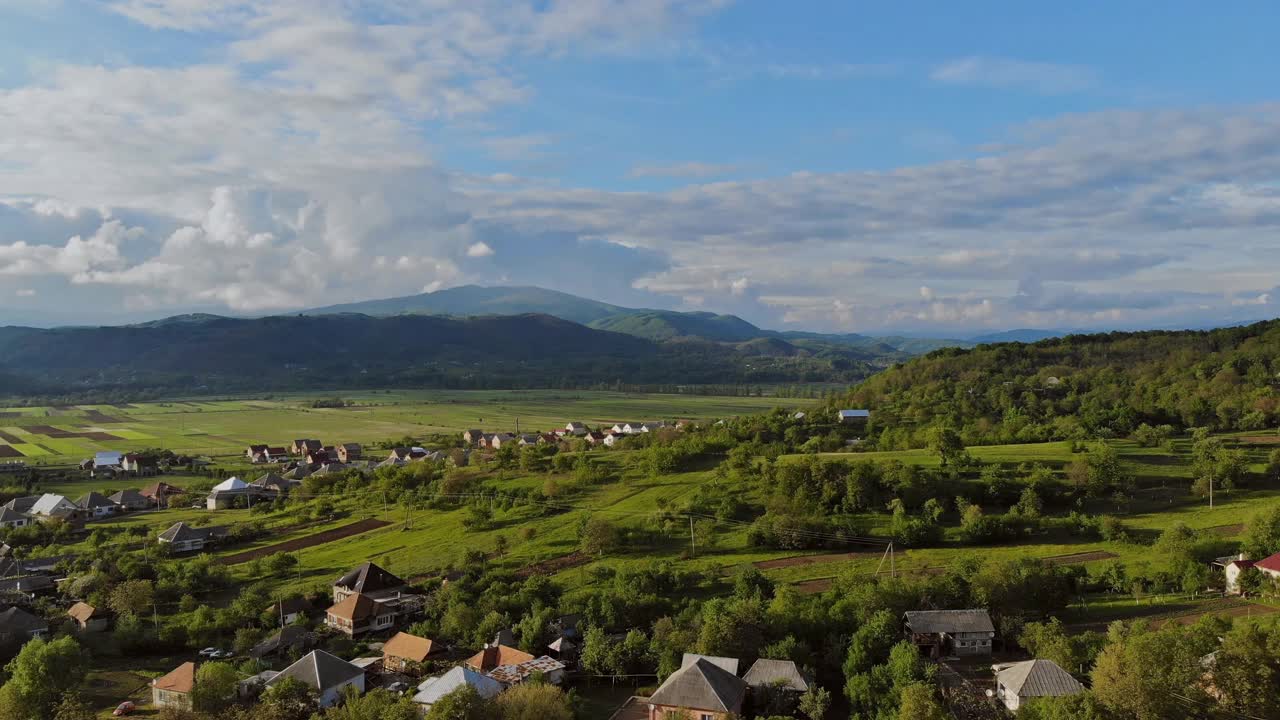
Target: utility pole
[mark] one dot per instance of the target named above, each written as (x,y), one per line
(693,548)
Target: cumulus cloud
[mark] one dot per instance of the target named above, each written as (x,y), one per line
(293,164)
(479,250)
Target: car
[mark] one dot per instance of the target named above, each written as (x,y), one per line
(398,687)
(208,652)
(123,708)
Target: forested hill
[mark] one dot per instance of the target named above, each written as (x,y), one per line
(1081,386)
(199,353)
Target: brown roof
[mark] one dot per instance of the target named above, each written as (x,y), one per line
(354,607)
(496,655)
(181,680)
(83,612)
(409,647)
(153,491)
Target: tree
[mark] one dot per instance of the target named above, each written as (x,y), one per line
(215,687)
(599,536)
(534,702)
(1262,536)
(376,705)
(1081,706)
(73,707)
(132,597)
(461,704)
(43,671)
(920,703)
(289,699)
(815,702)
(1246,672)
(947,443)
(1147,675)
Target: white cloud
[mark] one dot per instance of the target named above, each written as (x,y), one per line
(1041,77)
(25,292)
(479,250)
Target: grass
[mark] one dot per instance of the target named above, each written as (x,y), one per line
(223,428)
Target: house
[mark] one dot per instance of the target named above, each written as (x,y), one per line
(302,447)
(23,504)
(88,618)
(29,587)
(57,507)
(173,691)
(404,652)
(531,439)
(320,457)
(137,464)
(10,518)
(349,452)
(728,664)
(1268,566)
(472,437)
(496,441)
(224,494)
(701,690)
(653,426)
(393,461)
(1020,681)
(551,670)
(613,438)
(564,650)
(358,613)
(494,656)
(286,640)
(97,505)
(327,674)
(576,429)
(270,484)
(628,428)
(290,609)
(160,493)
(181,537)
(950,632)
(256,453)
(594,438)
(18,625)
(548,439)
(367,579)
(432,689)
(775,675)
(108,460)
(129,500)
(853,417)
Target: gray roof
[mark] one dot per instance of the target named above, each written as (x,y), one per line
(855,413)
(320,670)
(182,532)
(8,514)
(23,504)
(776,673)
(49,504)
(1037,678)
(727,663)
(27,585)
(701,685)
(367,577)
(93,500)
(432,689)
(127,497)
(16,620)
(931,622)
(290,636)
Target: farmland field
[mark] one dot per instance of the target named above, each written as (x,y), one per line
(61,435)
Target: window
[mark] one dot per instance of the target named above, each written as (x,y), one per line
(706,716)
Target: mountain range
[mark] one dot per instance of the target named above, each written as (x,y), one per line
(650,324)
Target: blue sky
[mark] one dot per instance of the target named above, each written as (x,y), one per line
(923,167)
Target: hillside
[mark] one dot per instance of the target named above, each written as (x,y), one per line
(293,352)
(1082,386)
(666,324)
(468,300)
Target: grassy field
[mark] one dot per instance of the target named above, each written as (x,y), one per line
(62,435)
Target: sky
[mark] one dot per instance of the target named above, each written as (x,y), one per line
(934,168)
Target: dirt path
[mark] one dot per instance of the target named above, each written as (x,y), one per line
(1226,530)
(811,560)
(1235,611)
(554,565)
(1080,557)
(320,538)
